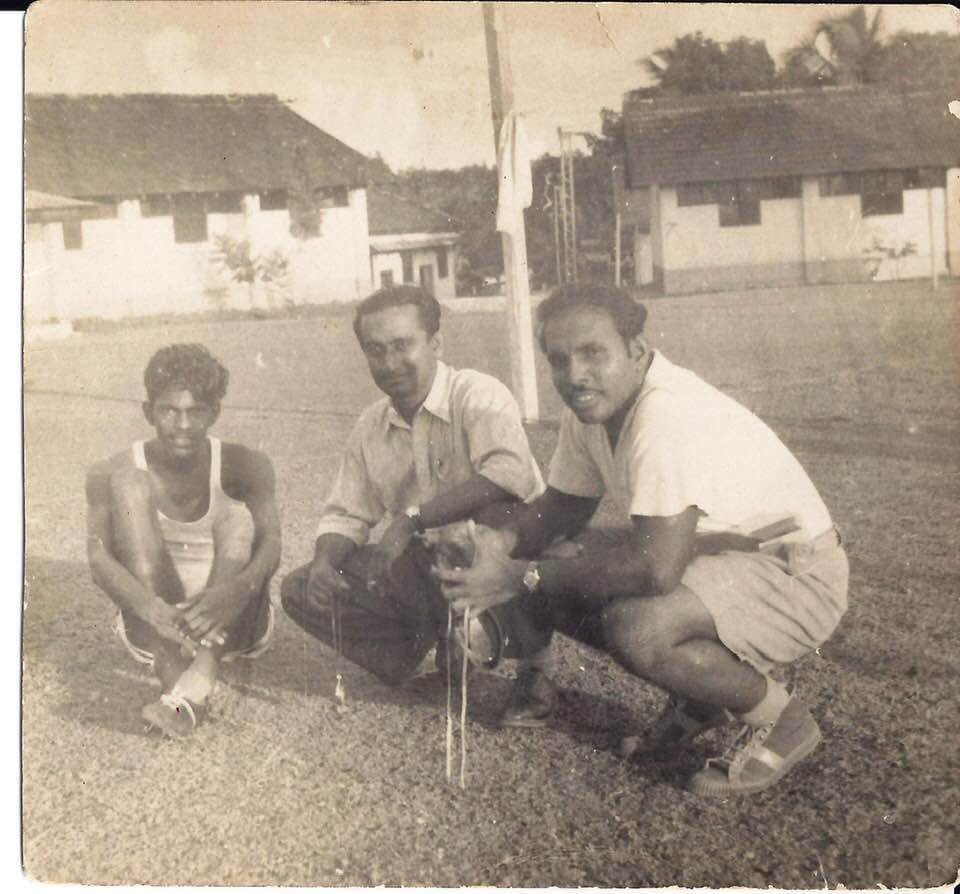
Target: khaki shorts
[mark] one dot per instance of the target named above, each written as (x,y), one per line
(774,607)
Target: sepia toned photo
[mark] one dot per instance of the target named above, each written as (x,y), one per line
(490,444)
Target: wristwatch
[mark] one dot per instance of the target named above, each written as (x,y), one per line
(413,513)
(531,578)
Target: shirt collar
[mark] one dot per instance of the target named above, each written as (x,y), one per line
(437,401)
(652,378)
(655,372)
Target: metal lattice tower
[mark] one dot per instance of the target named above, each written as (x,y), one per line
(567,203)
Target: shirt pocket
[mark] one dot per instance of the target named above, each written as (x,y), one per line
(442,455)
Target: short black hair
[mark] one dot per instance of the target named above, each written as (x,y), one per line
(628,315)
(398,296)
(190,367)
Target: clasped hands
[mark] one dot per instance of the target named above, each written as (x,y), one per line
(201,620)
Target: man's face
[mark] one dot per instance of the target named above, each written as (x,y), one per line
(401,355)
(595,372)
(181,423)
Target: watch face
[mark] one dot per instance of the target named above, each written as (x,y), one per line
(531,578)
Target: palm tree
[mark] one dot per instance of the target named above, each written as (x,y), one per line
(843,49)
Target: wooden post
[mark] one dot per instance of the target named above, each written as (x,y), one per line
(519,321)
(556,232)
(616,250)
(933,237)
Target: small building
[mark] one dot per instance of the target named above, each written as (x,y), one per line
(411,243)
(156,203)
(799,186)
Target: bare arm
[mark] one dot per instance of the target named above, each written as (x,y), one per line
(553,514)
(126,590)
(256,475)
(650,563)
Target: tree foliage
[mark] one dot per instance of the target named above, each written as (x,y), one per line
(697,64)
(844,49)
(849,49)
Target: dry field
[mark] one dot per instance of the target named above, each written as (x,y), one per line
(862,382)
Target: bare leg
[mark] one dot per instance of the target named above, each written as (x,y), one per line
(233,535)
(139,546)
(672,641)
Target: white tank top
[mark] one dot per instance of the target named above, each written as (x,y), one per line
(190,544)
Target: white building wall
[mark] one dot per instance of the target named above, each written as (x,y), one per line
(131,265)
(811,239)
(443,288)
(697,254)
(386,261)
(952,211)
(841,240)
(694,237)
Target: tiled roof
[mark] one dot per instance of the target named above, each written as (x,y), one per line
(42,201)
(389,213)
(752,135)
(137,144)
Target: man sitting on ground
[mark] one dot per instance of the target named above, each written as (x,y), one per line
(442,446)
(183,534)
(683,597)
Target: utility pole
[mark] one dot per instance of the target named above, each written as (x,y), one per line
(568,205)
(519,320)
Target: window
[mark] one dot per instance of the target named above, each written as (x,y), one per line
(224,202)
(72,235)
(106,209)
(739,204)
(407,258)
(443,268)
(839,185)
(386,279)
(156,206)
(723,192)
(690,194)
(426,277)
(331,197)
(881,193)
(782,188)
(189,219)
(273,200)
(925,178)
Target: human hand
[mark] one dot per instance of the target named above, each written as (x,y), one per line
(205,616)
(325,582)
(165,619)
(492,579)
(392,545)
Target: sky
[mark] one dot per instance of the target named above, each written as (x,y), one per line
(407,80)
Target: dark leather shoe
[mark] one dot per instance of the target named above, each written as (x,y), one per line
(532,700)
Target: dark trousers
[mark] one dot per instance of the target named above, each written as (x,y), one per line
(390,634)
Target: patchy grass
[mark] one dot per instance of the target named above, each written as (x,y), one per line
(862,382)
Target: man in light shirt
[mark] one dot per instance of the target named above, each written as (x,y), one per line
(701,594)
(442,446)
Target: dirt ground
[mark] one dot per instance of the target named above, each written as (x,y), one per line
(862,382)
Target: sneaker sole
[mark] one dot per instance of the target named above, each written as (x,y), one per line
(711,783)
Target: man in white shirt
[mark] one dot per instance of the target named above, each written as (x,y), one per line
(685,597)
(443,445)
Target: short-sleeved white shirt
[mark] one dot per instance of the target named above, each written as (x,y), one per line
(684,443)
